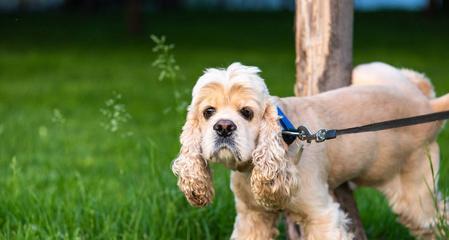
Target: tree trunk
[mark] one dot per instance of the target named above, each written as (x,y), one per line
(85,6)
(323,45)
(432,7)
(23,5)
(134,16)
(324,62)
(168,4)
(343,195)
(446,7)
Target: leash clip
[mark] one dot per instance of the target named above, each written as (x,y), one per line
(304,134)
(320,136)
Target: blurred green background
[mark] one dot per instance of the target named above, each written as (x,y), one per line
(87,131)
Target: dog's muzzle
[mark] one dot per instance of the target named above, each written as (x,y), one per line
(224,128)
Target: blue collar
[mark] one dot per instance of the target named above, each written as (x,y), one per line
(286,126)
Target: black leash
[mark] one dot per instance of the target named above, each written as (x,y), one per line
(323,134)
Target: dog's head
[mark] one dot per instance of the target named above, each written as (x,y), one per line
(230,106)
(231,120)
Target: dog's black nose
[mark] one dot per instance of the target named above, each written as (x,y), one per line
(224,128)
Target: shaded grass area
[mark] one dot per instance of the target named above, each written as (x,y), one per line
(73,179)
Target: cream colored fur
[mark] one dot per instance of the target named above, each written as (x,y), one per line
(268,176)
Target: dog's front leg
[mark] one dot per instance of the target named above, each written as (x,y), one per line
(252,222)
(316,211)
(322,218)
(254,225)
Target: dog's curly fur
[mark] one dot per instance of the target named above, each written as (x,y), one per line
(194,178)
(271,179)
(268,176)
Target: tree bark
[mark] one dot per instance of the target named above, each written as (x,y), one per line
(324,62)
(167,5)
(23,5)
(134,16)
(323,45)
(343,195)
(85,6)
(432,7)
(445,7)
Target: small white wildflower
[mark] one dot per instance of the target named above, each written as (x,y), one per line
(13,164)
(127,134)
(43,131)
(165,61)
(57,117)
(166,110)
(115,114)
(33,227)
(182,106)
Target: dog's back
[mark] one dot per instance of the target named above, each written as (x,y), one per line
(379,92)
(378,73)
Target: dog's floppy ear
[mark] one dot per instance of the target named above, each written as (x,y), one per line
(271,179)
(194,177)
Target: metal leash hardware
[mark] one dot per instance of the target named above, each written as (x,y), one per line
(289,134)
(304,134)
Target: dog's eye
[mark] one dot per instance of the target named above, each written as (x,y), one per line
(247,113)
(208,112)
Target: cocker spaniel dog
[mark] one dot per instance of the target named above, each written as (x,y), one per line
(233,120)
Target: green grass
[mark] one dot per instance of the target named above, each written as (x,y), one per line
(73,179)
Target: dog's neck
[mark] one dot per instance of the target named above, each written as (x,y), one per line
(245,167)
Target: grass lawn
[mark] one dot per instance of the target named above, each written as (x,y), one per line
(63,175)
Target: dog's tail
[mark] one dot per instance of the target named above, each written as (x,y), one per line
(440,104)
(426,87)
(421,81)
